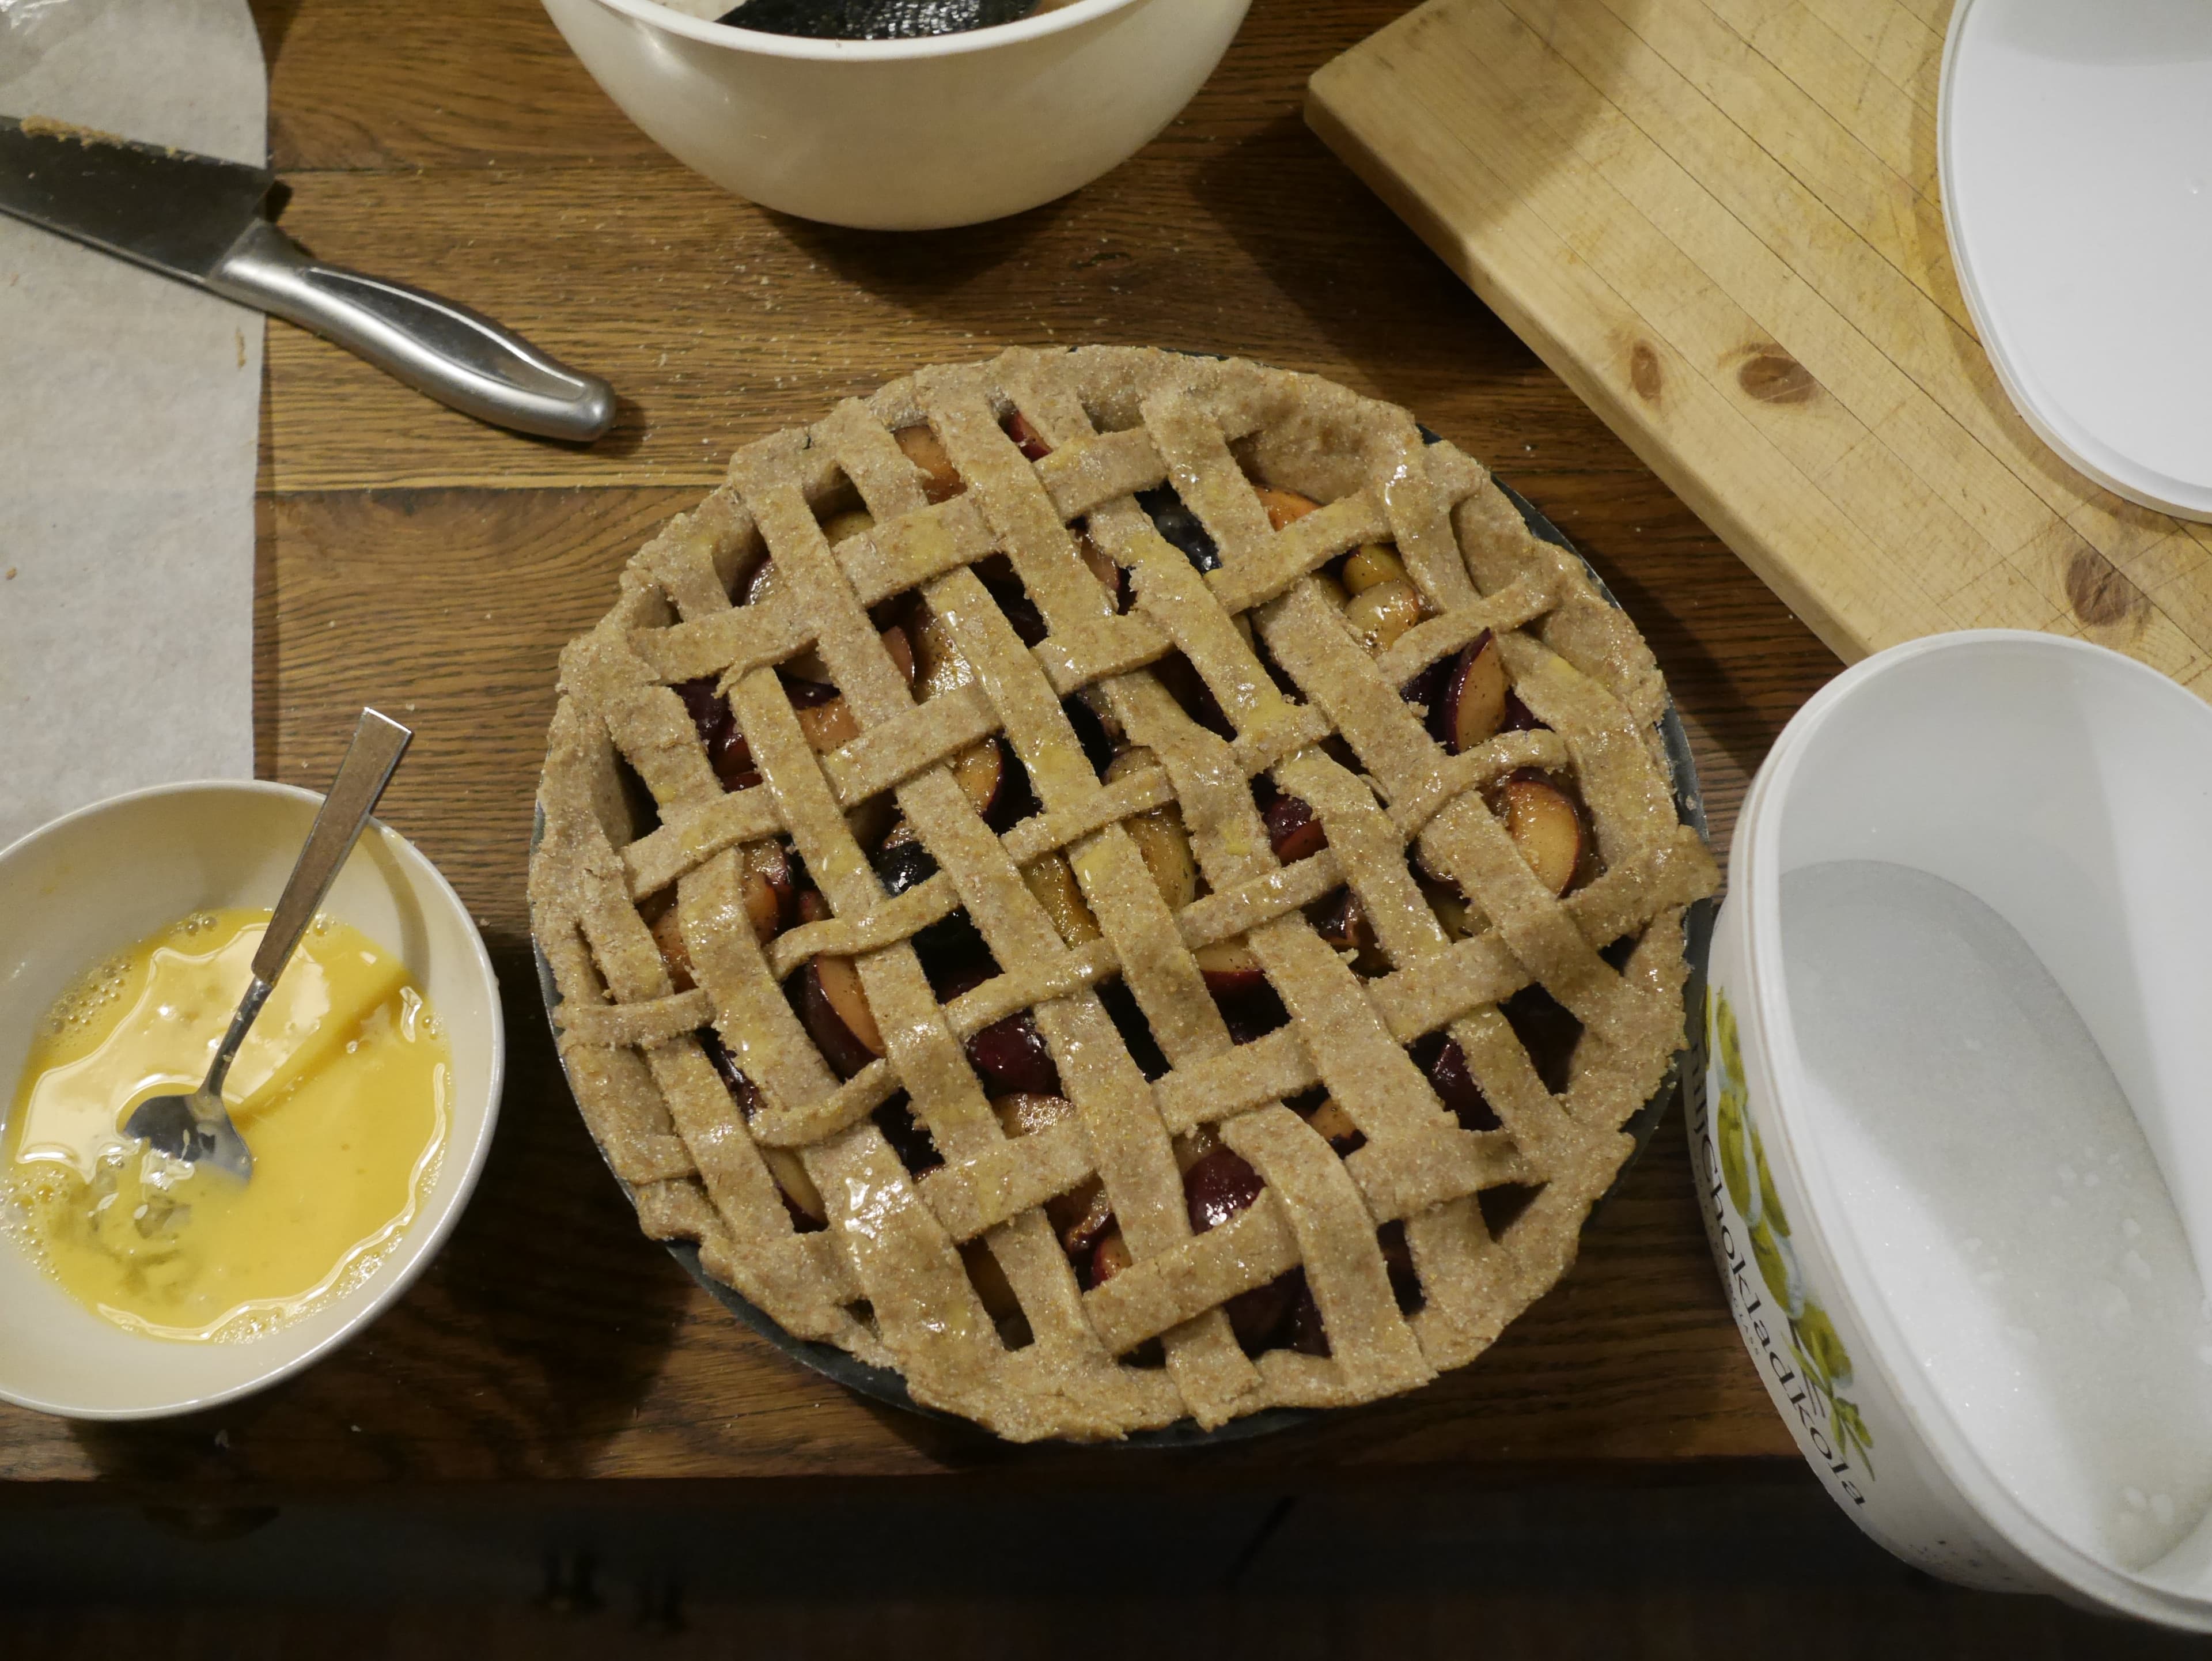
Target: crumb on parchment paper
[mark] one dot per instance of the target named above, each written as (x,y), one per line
(46,126)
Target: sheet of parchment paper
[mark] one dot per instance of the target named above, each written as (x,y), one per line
(129,412)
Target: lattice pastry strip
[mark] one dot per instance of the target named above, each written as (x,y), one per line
(1088,1095)
(1137,1173)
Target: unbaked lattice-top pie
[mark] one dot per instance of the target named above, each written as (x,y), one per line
(1123,886)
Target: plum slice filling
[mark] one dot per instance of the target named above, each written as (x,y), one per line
(1009,1055)
(727,752)
(1216,1187)
(906,1135)
(1029,441)
(1294,831)
(1179,527)
(1441,1059)
(1090,731)
(1001,582)
(802,1201)
(1548,1031)
(1464,699)
(1180,676)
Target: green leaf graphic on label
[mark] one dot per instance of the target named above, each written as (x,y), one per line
(1814,1340)
(1767,1254)
(1769,1208)
(1727,1064)
(1820,1349)
(1853,1440)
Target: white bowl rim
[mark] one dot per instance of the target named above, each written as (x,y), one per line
(1936,1424)
(435,1228)
(731,38)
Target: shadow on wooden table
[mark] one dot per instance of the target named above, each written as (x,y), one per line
(1360,278)
(921,269)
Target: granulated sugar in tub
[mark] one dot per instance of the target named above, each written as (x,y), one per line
(2012,1213)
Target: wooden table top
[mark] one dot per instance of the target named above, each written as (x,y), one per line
(411,557)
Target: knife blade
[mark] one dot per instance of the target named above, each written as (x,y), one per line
(175,213)
(201,221)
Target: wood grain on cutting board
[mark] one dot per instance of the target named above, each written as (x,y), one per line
(1719,222)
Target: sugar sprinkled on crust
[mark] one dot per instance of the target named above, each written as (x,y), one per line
(886,1279)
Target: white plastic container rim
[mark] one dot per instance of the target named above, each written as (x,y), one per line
(1759,832)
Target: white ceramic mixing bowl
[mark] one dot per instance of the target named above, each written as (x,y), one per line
(904,135)
(2069,789)
(89,885)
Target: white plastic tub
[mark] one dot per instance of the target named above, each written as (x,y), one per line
(2069,789)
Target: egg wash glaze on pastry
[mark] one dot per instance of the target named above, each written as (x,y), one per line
(1123,886)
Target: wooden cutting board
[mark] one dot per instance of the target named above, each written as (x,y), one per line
(1718,222)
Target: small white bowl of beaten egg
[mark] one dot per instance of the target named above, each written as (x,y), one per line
(132,1285)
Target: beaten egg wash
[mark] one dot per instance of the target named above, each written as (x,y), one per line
(339,1090)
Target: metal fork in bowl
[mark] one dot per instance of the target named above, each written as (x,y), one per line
(196,1128)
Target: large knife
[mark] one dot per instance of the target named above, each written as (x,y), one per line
(201,221)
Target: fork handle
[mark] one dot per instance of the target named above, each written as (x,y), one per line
(207,1100)
(378,743)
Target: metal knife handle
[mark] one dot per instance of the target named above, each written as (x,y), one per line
(378,743)
(456,356)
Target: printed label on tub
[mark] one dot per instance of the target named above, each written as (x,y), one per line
(1801,1356)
